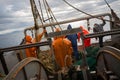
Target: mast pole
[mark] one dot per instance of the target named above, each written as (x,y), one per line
(35,15)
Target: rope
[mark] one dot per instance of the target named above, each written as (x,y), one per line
(77,9)
(52,14)
(84,12)
(40,17)
(114,15)
(41,10)
(107,4)
(47,14)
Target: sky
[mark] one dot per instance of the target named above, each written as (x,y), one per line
(16,15)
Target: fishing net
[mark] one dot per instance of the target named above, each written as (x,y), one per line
(47,61)
(90,57)
(76,74)
(2,76)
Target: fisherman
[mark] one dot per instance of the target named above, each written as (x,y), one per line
(99,28)
(87,42)
(31,52)
(63,51)
(73,38)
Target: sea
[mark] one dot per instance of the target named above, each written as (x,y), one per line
(13,38)
(13,35)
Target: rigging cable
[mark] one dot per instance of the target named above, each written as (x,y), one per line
(36,17)
(41,10)
(36,13)
(53,14)
(77,9)
(84,12)
(47,11)
(39,15)
(114,15)
(107,4)
(50,18)
(47,15)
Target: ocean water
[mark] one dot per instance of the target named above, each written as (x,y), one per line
(11,39)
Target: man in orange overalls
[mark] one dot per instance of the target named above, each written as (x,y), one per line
(87,42)
(31,52)
(63,51)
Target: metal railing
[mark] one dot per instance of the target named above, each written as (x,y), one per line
(71,20)
(19,47)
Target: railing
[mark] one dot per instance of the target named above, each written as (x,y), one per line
(76,30)
(2,50)
(72,20)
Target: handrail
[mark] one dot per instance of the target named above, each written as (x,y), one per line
(2,50)
(104,33)
(24,46)
(91,35)
(71,20)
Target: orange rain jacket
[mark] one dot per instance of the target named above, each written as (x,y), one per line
(62,48)
(31,52)
(87,42)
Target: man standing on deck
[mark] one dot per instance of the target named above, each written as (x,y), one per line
(87,42)
(62,50)
(73,38)
(31,52)
(99,28)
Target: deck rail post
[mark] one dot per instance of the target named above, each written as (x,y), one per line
(2,59)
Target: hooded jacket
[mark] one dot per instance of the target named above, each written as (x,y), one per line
(73,38)
(30,52)
(87,42)
(62,47)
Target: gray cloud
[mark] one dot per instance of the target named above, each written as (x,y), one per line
(15,13)
(18,12)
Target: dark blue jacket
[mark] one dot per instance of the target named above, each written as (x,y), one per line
(72,37)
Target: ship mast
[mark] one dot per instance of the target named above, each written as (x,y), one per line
(35,16)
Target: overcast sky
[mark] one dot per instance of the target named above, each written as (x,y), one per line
(17,13)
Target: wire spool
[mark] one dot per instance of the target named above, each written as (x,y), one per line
(108,60)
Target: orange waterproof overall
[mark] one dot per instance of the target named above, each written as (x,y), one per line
(31,52)
(87,42)
(62,48)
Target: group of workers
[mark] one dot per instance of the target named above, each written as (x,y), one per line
(64,47)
